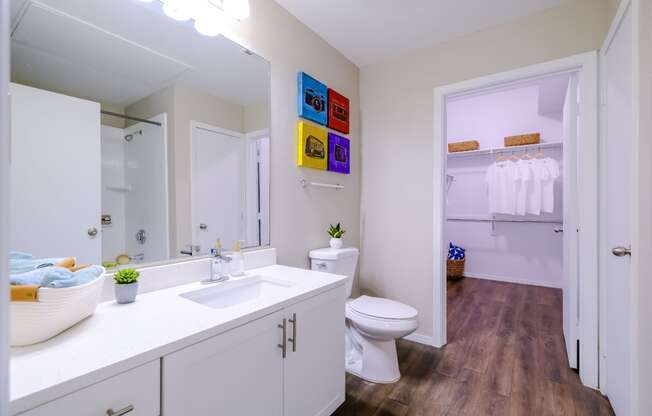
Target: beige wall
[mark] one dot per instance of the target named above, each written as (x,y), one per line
(300,217)
(397,135)
(256,117)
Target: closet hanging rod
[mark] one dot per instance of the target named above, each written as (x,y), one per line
(511,149)
(142,120)
(305,184)
(465,219)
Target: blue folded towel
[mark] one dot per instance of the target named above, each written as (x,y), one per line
(56,277)
(17,255)
(24,265)
(77,278)
(456,252)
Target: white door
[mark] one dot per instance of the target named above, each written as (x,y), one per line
(217,188)
(239,373)
(570,237)
(55,175)
(314,367)
(618,89)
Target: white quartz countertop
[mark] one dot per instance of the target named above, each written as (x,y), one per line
(120,337)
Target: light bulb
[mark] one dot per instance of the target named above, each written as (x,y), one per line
(178,9)
(237,9)
(210,23)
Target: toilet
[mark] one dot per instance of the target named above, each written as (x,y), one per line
(372,324)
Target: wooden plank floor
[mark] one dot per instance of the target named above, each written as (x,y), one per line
(505,356)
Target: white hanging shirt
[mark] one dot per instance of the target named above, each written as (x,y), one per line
(551,168)
(538,174)
(522,184)
(502,178)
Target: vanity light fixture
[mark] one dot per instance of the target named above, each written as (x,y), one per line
(178,9)
(210,16)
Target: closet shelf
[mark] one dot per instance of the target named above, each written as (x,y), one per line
(499,150)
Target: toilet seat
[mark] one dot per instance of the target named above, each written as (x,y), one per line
(379,318)
(381,308)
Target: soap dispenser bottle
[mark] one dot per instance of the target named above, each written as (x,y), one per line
(217,265)
(237,268)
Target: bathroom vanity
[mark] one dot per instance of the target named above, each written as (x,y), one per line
(269,343)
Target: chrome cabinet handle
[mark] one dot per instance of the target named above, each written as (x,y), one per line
(621,251)
(120,412)
(92,232)
(203,226)
(284,345)
(558,230)
(293,340)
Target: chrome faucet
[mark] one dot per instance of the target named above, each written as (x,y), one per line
(219,267)
(192,250)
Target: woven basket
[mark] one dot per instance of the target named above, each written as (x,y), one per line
(55,311)
(455,269)
(463,146)
(522,139)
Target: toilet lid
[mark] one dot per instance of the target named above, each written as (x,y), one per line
(382,308)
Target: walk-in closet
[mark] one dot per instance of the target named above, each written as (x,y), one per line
(510,199)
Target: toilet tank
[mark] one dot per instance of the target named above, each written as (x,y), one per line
(338,261)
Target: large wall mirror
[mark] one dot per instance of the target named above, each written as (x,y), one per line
(134,140)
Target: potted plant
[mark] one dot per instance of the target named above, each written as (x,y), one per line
(126,285)
(336,233)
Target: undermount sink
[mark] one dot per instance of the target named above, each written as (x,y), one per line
(236,292)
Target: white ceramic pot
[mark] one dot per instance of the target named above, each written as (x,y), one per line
(336,243)
(126,293)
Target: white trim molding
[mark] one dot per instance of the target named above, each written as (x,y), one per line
(4,205)
(586,66)
(419,339)
(517,280)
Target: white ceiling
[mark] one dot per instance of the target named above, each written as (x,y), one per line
(369,31)
(120,51)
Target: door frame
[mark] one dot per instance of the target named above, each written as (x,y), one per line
(586,66)
(4,206)
(634,213)
(209,127)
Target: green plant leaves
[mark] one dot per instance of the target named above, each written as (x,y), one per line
(336,231)
(126,276)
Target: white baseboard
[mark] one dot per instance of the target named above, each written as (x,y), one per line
(512,280)
(421,339)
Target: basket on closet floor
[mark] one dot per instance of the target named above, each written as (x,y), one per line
(55,311)
(455,269)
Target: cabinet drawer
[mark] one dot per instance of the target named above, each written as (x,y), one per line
(139,388)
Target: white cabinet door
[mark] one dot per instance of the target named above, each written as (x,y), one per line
(239,373)
(55,175)
(314,368)
(136,391)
